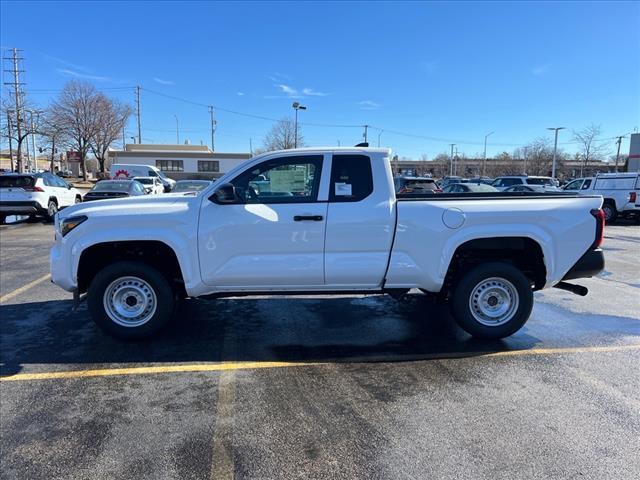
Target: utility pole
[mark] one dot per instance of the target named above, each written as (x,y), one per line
(618,152)
(451,159)
(555,150)
(10,139)
(251,146)
(177,131)
(214,125)
(17,84)
(138,113)
(364,135)
(33,141)
(484,161)
(124,141)
(379,137)
(526,152)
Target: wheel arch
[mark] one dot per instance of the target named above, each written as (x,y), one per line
(155,253)
(525,253)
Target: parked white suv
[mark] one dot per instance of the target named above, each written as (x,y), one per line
(40,194)
(502,183)
(152,185)
(620,192)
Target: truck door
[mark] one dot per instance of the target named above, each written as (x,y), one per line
(360,222)
(272,234)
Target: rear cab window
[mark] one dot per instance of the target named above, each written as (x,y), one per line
(351,178)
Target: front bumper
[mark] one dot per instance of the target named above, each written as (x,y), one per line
(62,269)
(589,265)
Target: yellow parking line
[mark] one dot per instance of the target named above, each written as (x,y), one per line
(220,367)
(23,289)
(105,372)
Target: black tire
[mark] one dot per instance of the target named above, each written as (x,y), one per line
(477,281)
(610,212)
(155,282)
(3,218)
(52,209)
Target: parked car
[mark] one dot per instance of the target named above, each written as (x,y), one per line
(64,173)
(152,185)
(534,188)
(191,185)
(502,183)
(448,180)
(106,189)
(40,194)
(406,184)
(468,188)
(619,190)
(125,170)
(346,230)
(485,180)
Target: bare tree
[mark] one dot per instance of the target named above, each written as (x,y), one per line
(111,117)
(53,135)
(282,136)
(75,112)
(29,120)
(587,138)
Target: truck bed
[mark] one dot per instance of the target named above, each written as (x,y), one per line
(404,197)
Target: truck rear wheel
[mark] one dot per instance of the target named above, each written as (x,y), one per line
(130,300)
(493,300)
(610,211)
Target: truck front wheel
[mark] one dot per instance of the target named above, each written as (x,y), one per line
(130,300)
(493,300)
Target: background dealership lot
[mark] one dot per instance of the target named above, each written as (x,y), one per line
(346,386)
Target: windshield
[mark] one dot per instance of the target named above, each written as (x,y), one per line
(111,187)
(540,181)
(421,184)
(190,186)
(146,181)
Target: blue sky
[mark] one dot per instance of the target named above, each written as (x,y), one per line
(444,71)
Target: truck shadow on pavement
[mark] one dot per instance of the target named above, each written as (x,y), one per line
(337,329)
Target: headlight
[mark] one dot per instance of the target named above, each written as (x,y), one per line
(70,223)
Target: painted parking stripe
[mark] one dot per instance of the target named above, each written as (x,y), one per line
(24,288)
(230,366)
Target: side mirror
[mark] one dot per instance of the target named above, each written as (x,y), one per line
(224,194)
(68,186)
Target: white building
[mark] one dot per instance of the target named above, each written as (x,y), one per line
(179,161)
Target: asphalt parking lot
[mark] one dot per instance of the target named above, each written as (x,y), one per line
(338,387)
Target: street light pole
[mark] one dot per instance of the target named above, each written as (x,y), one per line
(484,157)
(451,160)
(177,131)
(555,150)
(379,137)
(296,106)
(619,141)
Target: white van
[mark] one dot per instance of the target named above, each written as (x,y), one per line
(125,170)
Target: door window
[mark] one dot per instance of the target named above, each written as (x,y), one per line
(351,178)
(281,180)
(586,184)
(575,185)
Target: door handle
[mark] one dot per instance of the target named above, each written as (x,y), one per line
(313,218)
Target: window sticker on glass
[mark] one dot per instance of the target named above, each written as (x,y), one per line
(343,189)
(288,181)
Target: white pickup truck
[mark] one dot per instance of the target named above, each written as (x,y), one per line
(317,221)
